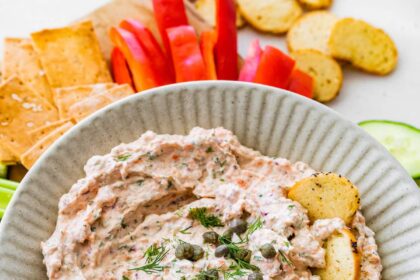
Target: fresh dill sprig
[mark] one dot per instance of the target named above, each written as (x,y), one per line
(234,249)
(207,220)
(233,272)
(284,258)
(185,230)
(154,255)
(253,227)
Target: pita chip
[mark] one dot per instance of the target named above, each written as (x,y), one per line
(67,96)
(71,55)
(21,60)
(88,106)
(22,110)
(39,133)
(29,158)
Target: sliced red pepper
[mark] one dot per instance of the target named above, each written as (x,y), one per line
(301,83)
(140,64)
(249,70)
(186,55)
(207,44)
(275,68)
(227,40)
(120,70)
(161,63)
(169,13)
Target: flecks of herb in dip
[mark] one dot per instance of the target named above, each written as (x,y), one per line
(139,203)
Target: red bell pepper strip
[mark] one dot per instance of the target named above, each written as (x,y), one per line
(186,55)
(249,70)
(301,83)
(227,40)
(120,70)
(207,43)
(161,63)
(139,63)
(275,68)
(169,13)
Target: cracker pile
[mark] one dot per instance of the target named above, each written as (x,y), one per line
(317,39)
(49,82)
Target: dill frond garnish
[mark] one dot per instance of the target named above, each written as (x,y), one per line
(154,255)
(207,220)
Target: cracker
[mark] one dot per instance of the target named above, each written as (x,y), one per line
(316,4)
(65,97)
(29,158)
(324,70)
(276,16)
(22,110)
(21,60)
(6,155)
(71,55)
(39,133)
(365,46)
(88,106)
(312,31)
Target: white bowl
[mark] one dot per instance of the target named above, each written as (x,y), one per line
(273,121)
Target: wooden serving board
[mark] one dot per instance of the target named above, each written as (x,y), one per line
(117,10)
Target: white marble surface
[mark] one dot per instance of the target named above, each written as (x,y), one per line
(364,96)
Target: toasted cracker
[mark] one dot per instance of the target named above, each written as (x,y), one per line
(365,46)
(29,158)
(311,31)
(316,4)
(327,196)
(21,60)
(88,106)
(342,258)
(22,110)
(324,70)
(276,16)
(65,97)
(6,155)
(207,9)
(71,55)
(39,133)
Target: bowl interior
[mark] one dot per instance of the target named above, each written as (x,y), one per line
(273,121)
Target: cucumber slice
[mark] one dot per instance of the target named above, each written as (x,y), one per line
(400,139)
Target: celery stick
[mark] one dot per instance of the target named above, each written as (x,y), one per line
(5,197)
(3,170)
(7,184)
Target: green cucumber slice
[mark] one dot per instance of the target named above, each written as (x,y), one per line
(400,139)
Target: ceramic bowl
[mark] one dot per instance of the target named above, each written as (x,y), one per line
(273,121)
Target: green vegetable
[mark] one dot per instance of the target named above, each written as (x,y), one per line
(400,139)
(154,255)
(7,184)
(207,220)
(3,170)
(5,197)
(7,189)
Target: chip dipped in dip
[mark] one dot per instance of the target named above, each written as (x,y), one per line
(200,206)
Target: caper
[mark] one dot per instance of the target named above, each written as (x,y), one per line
(238,226)
(268,251)
(211,237)
(244,255)
(221,251)
(184,251)
(227,235)
(198,253)
(255,276)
